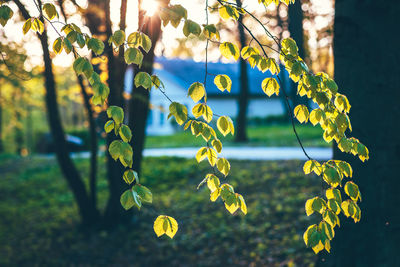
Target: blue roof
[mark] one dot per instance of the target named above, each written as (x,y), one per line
(189,71)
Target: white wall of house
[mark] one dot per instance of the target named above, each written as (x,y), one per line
(157,122)
(257,107)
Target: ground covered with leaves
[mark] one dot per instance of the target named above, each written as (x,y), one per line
(39,222)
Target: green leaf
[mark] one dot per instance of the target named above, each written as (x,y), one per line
(101,92)
(5,14)
(72,36)
(351,189)
(125,133)
(229,50)
(165,225)
(118,38)
(333,193)
(127,200)
(115,149)
(179,111)
(116,113)
(82,65)
(133,55)
(210,32)
(196,91)
(143,79)
(144,193)
(301,113)
(270,86)
(109,126)
(50,11)
(308,234)
(332,176)
(96,46)
(223,82)
(145,42)
(289,46)
(80,40)
(67,45)
(134,40)
(130,176)
(58,45)
(191,27)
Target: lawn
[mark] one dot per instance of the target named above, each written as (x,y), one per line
(264,135)
(39,223)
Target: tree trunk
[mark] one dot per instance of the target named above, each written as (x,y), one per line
(140,97)
(367,71)
(241,126)
(93,142)
(88,213)
(295,27)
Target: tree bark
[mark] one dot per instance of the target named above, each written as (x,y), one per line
(366,55)
(295,27)
(93,142)
(87,212)
(140,97)
(241,126)
(97,16)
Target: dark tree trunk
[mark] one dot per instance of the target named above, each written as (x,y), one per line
(366,52)
(87,211)
(140,97)
(93,142)
(241,126)
(295,27)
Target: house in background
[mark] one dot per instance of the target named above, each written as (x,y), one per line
(178,74)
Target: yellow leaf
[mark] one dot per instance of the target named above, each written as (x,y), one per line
(172,227)
(301,113)
(229,50)
(196,91)
(212,156)
(223,125)
(270,86)
(223,166)
(201,154)
(165,225)
(158,225)
(318,247)
(243,205)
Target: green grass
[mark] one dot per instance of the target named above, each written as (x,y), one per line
(39,222)
(274,135)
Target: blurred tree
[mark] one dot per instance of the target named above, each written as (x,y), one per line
(243,97)
(140,96)
(366,54)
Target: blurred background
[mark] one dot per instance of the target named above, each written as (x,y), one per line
(59,190)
